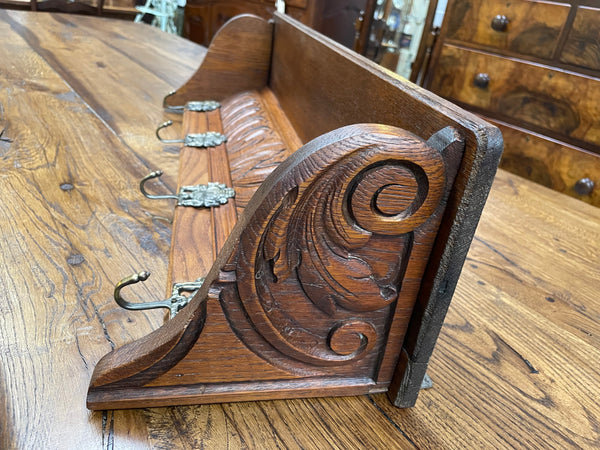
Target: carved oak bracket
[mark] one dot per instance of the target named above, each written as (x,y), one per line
(314,280)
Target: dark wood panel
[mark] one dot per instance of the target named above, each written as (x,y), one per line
(196,24)
(551,163)
(338,20)
(582,47)
(532,27)
(557,102)
(221,12)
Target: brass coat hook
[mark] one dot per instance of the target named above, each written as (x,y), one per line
(198,106)
(133,279)
(174,303)
(150,176)
(199,196)
(172,108)
(200,140)
(166,124)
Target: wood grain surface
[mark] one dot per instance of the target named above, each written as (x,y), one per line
(533,27)
(516,364)
(582,47)
(549,162)
(553,102)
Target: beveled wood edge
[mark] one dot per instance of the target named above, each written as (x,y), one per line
(459,224)
(237,59)
(230,392)
(146,358)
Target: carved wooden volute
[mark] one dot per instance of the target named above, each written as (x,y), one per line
(326,244)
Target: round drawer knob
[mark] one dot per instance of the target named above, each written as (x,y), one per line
(585,186)
(500,23)
(481,80)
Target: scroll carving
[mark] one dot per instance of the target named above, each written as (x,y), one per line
(320,263)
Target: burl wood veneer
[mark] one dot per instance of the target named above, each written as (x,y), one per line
(533,68)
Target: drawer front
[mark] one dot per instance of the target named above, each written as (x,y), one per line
(582,47)
(558,166)
(560,104)
(528,28)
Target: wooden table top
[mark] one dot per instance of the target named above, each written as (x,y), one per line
(517,363)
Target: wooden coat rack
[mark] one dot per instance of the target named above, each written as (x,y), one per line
(330,271)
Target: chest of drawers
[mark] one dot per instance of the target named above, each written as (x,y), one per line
(533,69)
